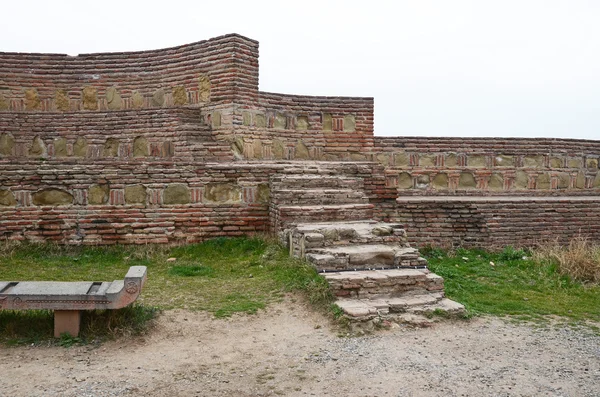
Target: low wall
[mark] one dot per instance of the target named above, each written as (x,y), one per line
(489,166)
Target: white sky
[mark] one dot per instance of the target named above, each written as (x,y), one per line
(436,68)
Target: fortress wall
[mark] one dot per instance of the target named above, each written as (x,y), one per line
(111,201)
(295,127)
(489,166)
(219,70)
(87,137)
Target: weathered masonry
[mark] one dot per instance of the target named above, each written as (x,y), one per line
(178,145)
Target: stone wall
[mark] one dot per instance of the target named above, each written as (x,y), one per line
(219,70)
(489,166)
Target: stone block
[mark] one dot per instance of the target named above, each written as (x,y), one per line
(580,181)
(140,147)
(354,156)
(533,161)
(135,194)
(37,148)
(423,181)
(496,182)
(137,100)
(257,149)
(278,149)
(158,98)
(556,162)
(543,181)
(405,181)
(383,158)
(32,100)
(204,87)
(176,193)
(98,194)
(179,96)
(301,151)
(521,180)
(302,123)
(401,159)
(504,161)
(167,149)
(52,197)
(327,122)
(89,98)
(61,101)
(7,198)
(466,180)
(111,148)
(596,183)
(564,180)
(222,193)
(4,104)
(263,193)
(260,121)
(7,143)
(451,160)
(66,322)
(574,162)
(476,161)
(113,99)
(440,181)
(280,121)
(246,119)
(591,163)
(216,119)
(349,123)
(60,147)
(80,147)
(427,160)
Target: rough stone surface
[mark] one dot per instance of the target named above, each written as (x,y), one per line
(574,162)
(533,161)
(260,120)
(302,123)
(80,147)
(349,123)
(60,147)
(301,151)
(113,99)
(257,149)
(158,98)
(278,149)
(564,179)
(263,193)
(521,180)
(451,160)
(467,181)
(543,181)
(556,162)
(401,159)
(52,197)
(179,96)
(591,163)
(476,161)
(580,181)
(246,119)
(327,122)
(111,148)
(98,194)
(7,198)
(203,88)
(423,181)
(89,98)
(440,181)
(222,193)
(496,182)
(504,161)
(140,147)
(405,181)
(137,100)
(32,99)
(135,194)
(61,101)
(37,148)
(427,160)
(4,104)
(280,121)
(7,143)
(176,193)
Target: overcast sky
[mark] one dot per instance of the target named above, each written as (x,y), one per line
(528,68)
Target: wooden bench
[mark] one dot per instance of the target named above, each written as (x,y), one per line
(68,299)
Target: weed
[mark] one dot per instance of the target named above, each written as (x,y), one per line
(580,259)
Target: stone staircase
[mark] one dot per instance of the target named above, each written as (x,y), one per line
(370,267)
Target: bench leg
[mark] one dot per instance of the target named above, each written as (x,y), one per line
(66,321)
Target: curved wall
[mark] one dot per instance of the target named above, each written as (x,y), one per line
(219,70)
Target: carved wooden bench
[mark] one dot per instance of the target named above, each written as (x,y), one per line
(68,299)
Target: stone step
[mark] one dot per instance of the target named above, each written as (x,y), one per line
(318,196)
(363,310)
(316,181)
(295,214)
(317,235)
(383,284)
(363,257)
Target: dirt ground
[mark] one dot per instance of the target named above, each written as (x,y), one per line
(288,350)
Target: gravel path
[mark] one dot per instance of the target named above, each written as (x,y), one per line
(290,351)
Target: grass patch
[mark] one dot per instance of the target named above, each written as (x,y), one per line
(513,283)
(579,260)
(221,276)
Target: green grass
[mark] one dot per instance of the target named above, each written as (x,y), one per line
(221,276)
(505,283)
